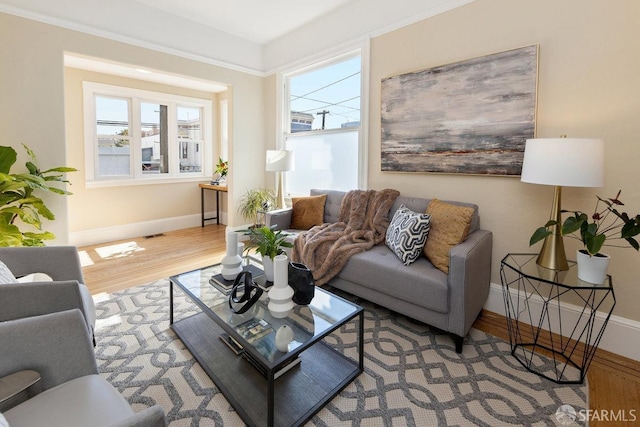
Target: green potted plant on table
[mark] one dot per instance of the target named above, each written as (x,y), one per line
(19,203)
(254,203)
(269,244)
(221,171)
(606,224)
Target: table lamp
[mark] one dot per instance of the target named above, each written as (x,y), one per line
(561,162)
(279,161)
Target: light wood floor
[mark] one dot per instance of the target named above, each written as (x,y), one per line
(614,381)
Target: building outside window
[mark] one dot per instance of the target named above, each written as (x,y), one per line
(322,106)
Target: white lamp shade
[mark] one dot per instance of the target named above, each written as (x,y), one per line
(566,162)
(279,160)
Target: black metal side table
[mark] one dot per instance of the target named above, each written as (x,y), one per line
(554,314)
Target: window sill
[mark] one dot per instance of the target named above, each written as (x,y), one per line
(143,181)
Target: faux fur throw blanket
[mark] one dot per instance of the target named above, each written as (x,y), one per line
(363,222)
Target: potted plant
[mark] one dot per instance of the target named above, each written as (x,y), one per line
(254,203)
(19,203)
(269,244)
(606,224)
(221,171)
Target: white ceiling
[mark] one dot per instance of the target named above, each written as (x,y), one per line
(259,21)
(255,36)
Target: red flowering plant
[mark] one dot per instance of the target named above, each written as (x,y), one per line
(607,223)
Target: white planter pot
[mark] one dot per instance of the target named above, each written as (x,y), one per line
(267,264)
(592,269)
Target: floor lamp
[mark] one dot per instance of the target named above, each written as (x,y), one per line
(561,162)
(279,161)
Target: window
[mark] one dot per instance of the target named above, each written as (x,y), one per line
(133,135)
(322,110)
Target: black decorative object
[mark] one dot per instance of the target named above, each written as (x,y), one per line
(249,292)
(301,280)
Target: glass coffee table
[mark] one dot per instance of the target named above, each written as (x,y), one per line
(268,387)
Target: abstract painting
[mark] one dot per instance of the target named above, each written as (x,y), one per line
(469,117)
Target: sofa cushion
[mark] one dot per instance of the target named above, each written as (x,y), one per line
(449,227)
(419,283)
(85,401)
(332,205)
(6,276)
(307,211)
(407,233)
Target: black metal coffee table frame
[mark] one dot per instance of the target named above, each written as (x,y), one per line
(293,398)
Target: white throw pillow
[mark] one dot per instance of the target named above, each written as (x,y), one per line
(35,277)
(6,276)
(407,234)
(3,421)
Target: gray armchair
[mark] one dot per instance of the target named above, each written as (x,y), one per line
(58,347)
(65,292)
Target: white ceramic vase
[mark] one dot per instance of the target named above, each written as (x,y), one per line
(284,336)
(280,294)
(592,269)
(267,265)
(232,262)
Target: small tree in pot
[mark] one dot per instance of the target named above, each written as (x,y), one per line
(18,202)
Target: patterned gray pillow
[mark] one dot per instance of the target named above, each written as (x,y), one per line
(6,276)
(407,234)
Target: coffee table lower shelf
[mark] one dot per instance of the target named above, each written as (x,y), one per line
(298,395)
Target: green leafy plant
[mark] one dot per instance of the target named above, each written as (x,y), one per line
(607,223)
(18,202)
(267,242)
(222,167)
(255,202)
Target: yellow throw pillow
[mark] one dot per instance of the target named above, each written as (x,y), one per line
(449,227)
(307,211)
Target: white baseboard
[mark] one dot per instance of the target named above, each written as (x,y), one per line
(621,335)
(127,231)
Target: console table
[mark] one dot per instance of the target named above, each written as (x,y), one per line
(538,321)
(217,189)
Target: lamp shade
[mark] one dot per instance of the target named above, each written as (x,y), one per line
(567,162)
(279,160)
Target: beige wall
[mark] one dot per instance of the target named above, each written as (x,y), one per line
(589,86)
(32,110)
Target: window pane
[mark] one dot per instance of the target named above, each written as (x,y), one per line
(326,98)
(154,138)
(112,126)
(326,161)
(189,123)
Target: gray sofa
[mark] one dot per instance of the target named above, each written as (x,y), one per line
(450,302)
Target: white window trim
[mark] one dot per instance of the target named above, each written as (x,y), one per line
(327,58)
(91,89)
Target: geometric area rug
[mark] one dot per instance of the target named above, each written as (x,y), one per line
(412,375)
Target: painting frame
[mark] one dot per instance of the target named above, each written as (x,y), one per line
(467,117)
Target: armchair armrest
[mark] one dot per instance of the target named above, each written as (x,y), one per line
(279,219)
(150,417)
(469,279)
(55,345)
(18,300)
(59,262)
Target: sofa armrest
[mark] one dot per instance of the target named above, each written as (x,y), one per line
(469,280)
(55,345)
(150,417)
(59,262)
(18,300)
(279,219)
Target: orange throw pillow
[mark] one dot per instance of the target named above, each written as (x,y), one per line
(449,227)
(307,211)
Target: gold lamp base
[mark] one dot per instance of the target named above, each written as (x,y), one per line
(552,254)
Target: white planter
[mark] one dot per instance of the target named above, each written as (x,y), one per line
(592,269)
(267,265)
